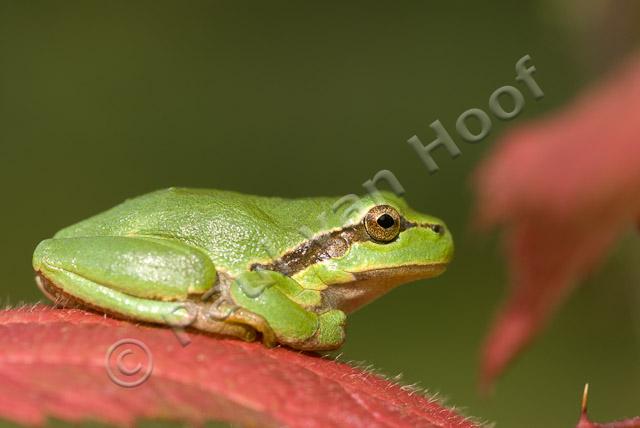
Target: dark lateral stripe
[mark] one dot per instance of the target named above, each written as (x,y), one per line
(326,246)
(323,247)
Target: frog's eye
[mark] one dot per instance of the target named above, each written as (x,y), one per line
(382,223)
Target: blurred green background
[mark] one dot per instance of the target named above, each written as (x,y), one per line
(100,101)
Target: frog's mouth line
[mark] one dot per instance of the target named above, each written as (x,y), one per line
(371,284)
(402,274)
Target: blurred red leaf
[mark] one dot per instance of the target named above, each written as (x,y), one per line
(53,364)
(565,188)
(584,421)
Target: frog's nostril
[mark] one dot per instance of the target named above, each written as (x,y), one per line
(438,228)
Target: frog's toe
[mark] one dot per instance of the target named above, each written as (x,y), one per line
(330,333)
(243,316)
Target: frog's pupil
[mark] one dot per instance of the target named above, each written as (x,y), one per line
(385,221)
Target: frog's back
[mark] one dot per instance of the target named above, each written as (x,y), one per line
(231,227)
(149,213)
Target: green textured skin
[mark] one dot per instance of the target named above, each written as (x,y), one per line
(144,257)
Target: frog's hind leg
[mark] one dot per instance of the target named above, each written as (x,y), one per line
(141,279)
(54,294)
(158,269)
(82,293)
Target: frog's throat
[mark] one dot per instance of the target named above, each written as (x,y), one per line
(371,284)
(327,245)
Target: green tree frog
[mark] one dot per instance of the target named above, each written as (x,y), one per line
(285,270)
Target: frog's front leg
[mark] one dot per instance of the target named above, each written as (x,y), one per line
(282,303)
(138,278)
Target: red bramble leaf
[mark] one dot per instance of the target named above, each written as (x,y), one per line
(54,364)
(627,423)
(584,421)
(564,188)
